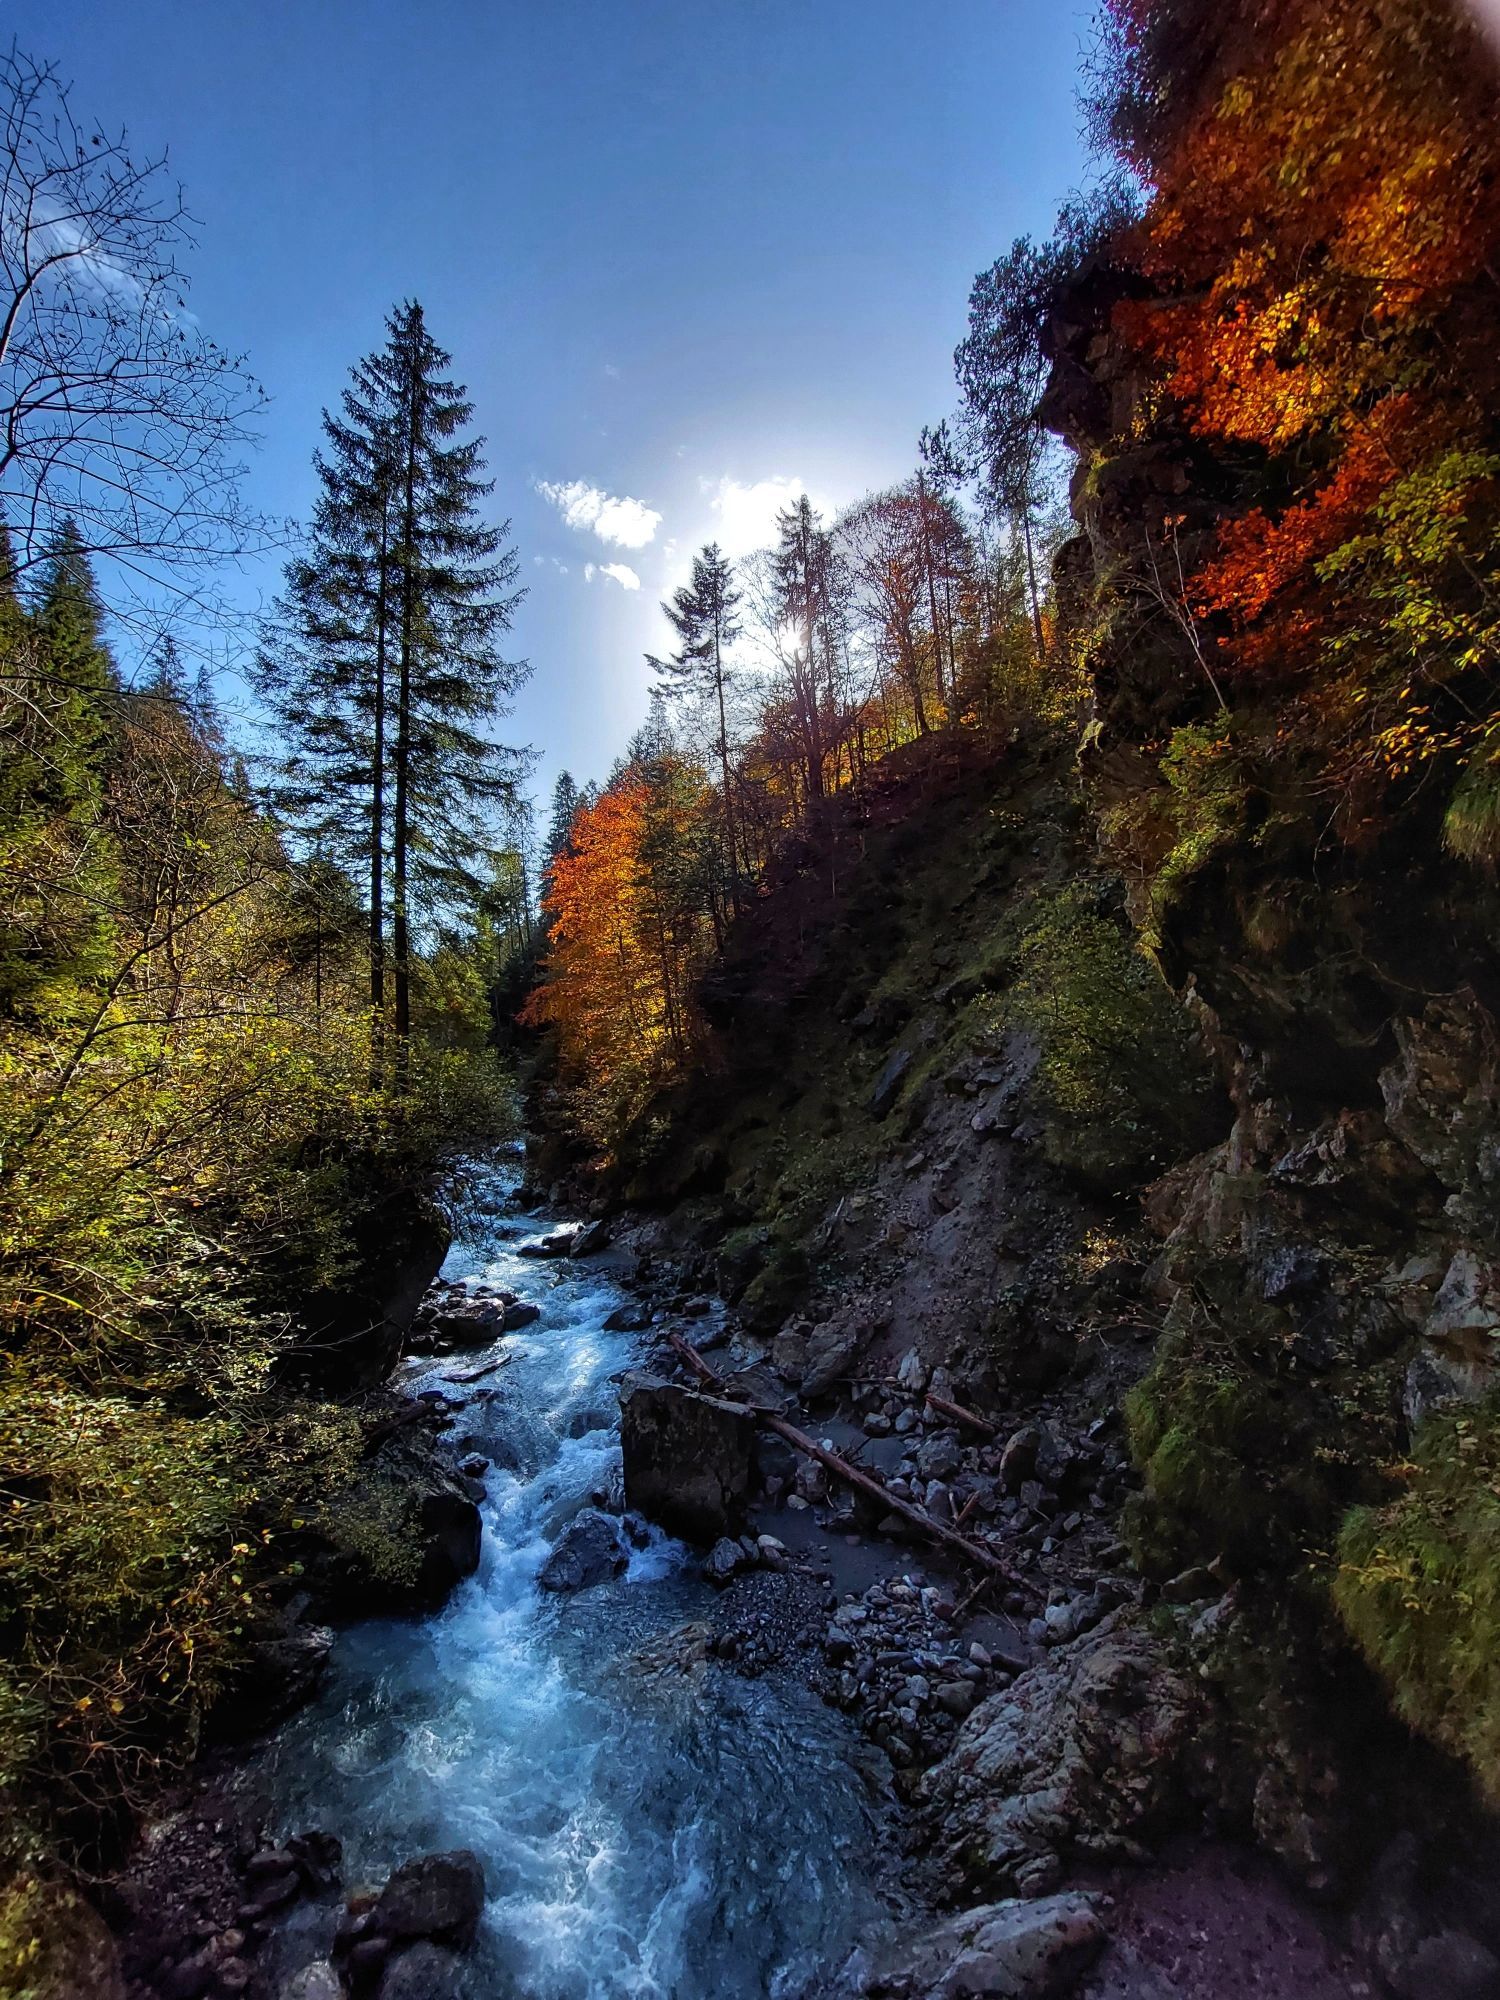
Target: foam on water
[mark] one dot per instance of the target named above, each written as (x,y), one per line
(647,1828)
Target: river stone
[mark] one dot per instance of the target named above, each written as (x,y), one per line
(422,1972)
(688,1457)
(590,1240)
(1000,1951)
(1087,1750)
(558,1244)
(588,1551)
(317,1981)
(437,1896)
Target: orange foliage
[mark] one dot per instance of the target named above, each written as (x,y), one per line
(1321,246)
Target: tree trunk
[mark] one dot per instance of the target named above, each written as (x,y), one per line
(1036,602)
(377,809)
(400,927)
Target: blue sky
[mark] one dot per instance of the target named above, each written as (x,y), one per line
(685,256)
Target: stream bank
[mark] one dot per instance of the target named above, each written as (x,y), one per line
(752,1777)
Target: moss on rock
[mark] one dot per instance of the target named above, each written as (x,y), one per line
(1418,1587)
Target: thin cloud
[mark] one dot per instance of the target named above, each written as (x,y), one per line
(622,574)
(614,518)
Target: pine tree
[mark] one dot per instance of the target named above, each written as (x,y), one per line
(705,617)
(389,670)
(565,797)
(802,566)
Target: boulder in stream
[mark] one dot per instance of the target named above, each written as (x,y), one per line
(557,1243)
(422,1972)
(438,1896)
(588,1551)
(688,1457)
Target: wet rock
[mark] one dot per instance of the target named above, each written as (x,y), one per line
(1000,1951)
(399,1537)
(422,1972)
(317,1981)
(1087,1749)
(471,1323)
(287,1659)
(519,1313)
(631,1318)
(725,1559)
(589,1551)
(438,1896)
(590,1240)
(559,1243)
(688,1457)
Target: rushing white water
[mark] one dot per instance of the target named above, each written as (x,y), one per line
(647,1828)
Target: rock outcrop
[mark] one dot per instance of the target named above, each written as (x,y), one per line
(999,1951)
(1085,1754)
(689,1458)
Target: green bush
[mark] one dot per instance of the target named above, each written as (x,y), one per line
(1418,1586)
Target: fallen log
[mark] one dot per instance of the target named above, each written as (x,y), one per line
(959,1415)
(862,1482)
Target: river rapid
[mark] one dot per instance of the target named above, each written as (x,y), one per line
(648,1826)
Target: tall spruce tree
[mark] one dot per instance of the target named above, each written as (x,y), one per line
(565,798)
(388,673)
(705,616)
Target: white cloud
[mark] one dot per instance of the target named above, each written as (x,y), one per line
(745,516)
(623,575)
(588,572)
(614,518)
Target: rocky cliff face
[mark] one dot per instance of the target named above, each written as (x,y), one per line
(1329,1268)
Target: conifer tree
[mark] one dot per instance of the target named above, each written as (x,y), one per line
(58,699)
(705,616)
(389,672)
(565,798)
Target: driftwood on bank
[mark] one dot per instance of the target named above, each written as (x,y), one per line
(959,1415)
(973,1553)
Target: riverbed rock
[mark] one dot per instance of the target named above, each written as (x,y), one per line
(688,1457)
(1001,1951)
(558,1243)
(422,1972)
(587,1552)
(396,1539)
(1085,1752)
(283,1668)
(317,1981)
(351,1336)
(590,1240)
(439,1897)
